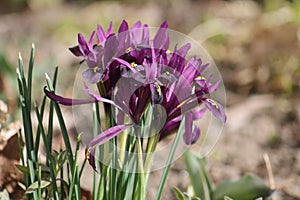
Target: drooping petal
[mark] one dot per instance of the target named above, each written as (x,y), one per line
(170,127)
(90,157)
(215,108)
(195,134)
(101,139)
(99,98)
(192,132)
(107,135)
(67,101)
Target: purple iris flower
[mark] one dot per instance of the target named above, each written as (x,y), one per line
(133,72)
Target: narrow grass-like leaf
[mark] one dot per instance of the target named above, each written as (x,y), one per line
(169,161)
(50,122)
(48,154)
(75,182)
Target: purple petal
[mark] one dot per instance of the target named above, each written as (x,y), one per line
(109,30)
(170,127)
(145,39)
(99,98)
(137,32)
(216,108)
(123,27)
(91,41)
(107,135)
(161,39)
(125,63)
(188,128)
(101,139)
(91,76)
(214,86)
(83,47)
(157,96)
(183,50)
(192,133)
(90,156)
(100,34)
(76,51)
(67,101)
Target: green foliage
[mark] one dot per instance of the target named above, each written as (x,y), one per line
(249,187)
(41,179)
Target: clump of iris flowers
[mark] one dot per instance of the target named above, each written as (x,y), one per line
(136,75)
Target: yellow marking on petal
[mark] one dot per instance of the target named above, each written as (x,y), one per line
(158,88)
(212,102)
(128,50)
(200,78)
(168,73)
(97,43)
(182,103)
(133,64)
(95,69)
(169,51)
(87,154)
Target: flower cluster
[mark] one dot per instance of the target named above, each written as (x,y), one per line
(133,72)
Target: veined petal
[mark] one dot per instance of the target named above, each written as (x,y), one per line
(215,107)
(99,98)
(67,101)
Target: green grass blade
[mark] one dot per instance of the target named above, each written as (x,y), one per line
(169,161)
(48,154)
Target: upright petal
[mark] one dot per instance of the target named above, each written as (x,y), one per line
(161,39)
(123,27)
(83,47)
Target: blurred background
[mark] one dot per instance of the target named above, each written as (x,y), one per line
(255,44)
